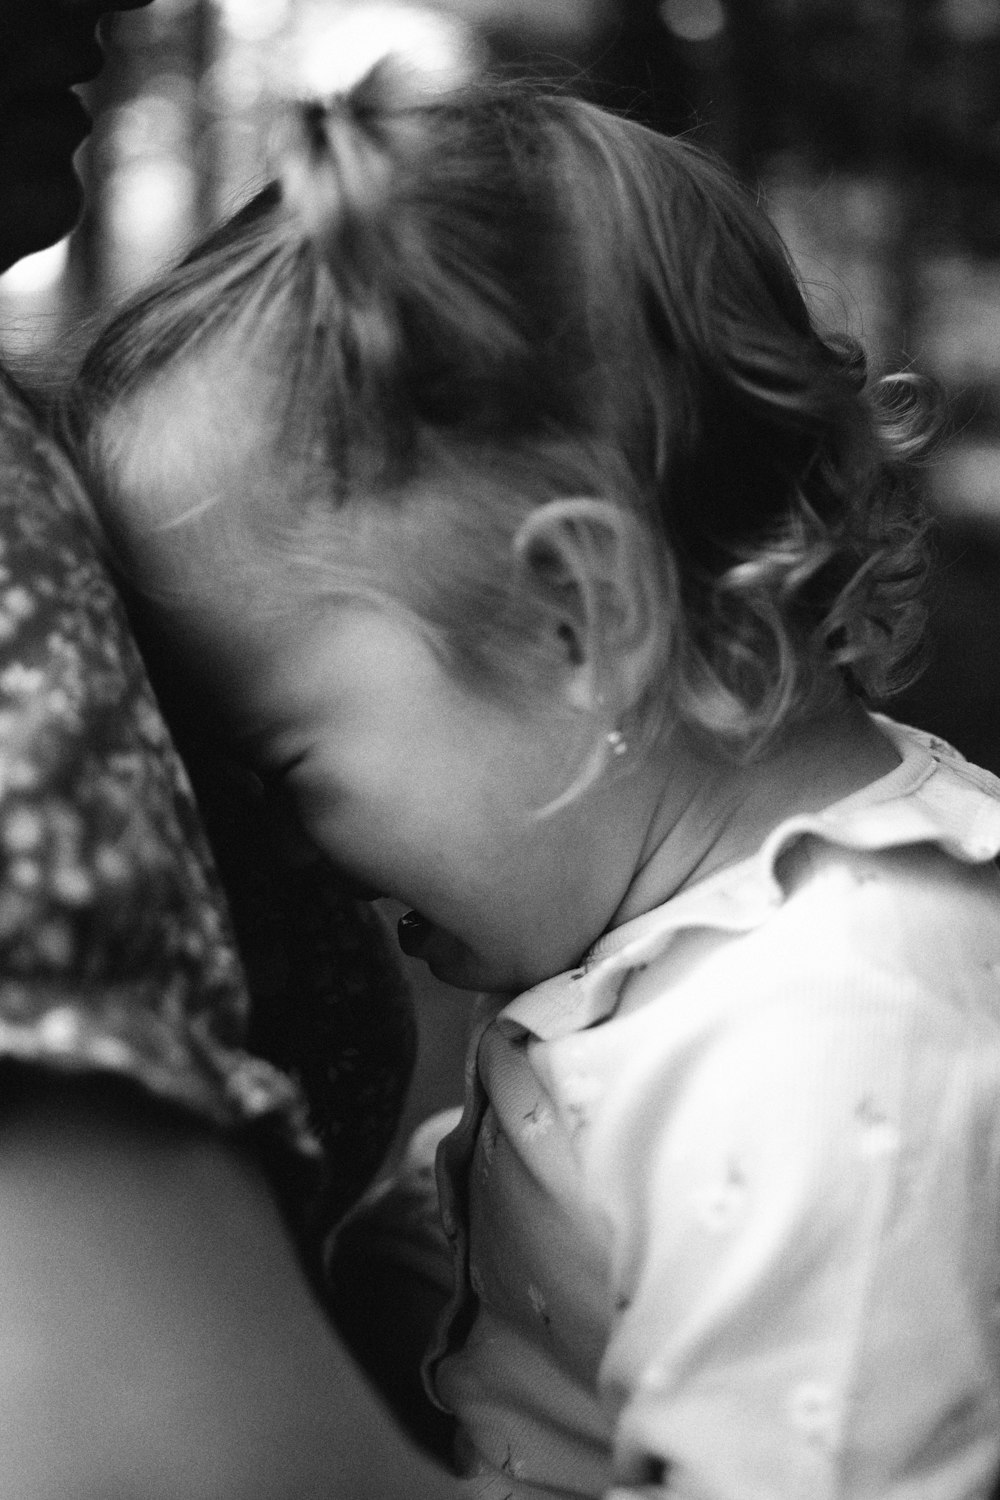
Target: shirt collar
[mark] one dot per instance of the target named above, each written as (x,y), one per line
(933,796)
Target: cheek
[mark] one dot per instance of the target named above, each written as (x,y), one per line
(406,838)
(353,823)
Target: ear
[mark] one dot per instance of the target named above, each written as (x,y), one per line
(596,564)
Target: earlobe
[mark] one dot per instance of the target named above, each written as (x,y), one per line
(596,566)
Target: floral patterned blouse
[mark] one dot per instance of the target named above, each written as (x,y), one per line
(117,952)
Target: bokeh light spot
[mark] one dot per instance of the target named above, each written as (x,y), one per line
(332,53)
(36,273)
(253,20)
(693,20)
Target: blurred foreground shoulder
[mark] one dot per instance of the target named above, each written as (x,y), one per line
(158,1340)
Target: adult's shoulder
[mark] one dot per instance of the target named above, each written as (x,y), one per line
(117,947)
(116,954)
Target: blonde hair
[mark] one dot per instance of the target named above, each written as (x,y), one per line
(505,297)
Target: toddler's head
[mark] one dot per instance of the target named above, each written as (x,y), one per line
(492,358)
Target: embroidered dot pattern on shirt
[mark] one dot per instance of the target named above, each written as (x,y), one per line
(538,1121)
(581,1091)
(539,1305)
(582,1088)
(812,1410)
(878,1135)
(721,1206)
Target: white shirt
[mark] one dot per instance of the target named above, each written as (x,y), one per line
(726,1199)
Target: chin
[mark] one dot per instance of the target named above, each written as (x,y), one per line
(465,965)
(455,965)
(461,974)
(465,970)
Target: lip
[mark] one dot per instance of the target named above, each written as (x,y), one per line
(413,932)
(445,955)
(48,83)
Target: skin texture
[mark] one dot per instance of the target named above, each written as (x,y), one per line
(156,1341)
(449,799)
(432,793)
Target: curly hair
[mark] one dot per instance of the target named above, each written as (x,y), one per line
(540,298)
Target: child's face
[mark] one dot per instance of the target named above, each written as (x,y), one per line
(423,789)
(419,786)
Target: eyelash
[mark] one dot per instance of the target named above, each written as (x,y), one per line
(273,779)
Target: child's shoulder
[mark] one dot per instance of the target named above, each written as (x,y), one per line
(901,877)
(932,824)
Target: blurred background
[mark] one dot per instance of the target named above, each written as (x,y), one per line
(871,129)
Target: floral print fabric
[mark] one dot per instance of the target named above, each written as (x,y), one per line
(116,952)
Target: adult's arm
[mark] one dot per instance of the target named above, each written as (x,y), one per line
(389,1279)
(158,1340)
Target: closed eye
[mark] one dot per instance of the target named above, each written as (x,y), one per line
(274,779)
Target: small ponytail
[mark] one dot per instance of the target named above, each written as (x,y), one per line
(520,297)
(338,182)
(430,240)
(335,179)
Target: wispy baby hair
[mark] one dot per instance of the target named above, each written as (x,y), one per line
(504,296)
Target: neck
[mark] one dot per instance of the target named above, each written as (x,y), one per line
(709,814)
